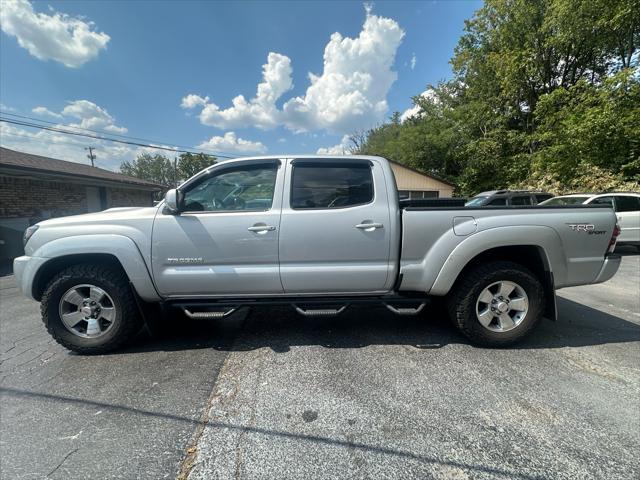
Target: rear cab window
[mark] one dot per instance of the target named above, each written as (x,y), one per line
(330,185)
(521,200)
(627,203)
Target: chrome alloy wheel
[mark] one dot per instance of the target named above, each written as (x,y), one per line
(87,311)
(502,306)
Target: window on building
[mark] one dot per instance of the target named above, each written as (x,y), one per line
(417,194)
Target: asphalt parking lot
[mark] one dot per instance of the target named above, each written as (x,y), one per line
(270,394)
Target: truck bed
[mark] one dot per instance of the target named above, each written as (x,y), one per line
(436,240)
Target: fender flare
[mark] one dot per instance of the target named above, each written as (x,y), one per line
(544,238)
(123,248)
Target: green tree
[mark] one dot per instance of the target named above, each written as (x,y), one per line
(191,163)
(543,91)
(153,167)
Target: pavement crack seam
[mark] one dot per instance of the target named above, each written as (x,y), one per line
(252,421)
(64,459)
(192,449)
(191,452)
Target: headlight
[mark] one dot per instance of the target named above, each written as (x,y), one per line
(28,233)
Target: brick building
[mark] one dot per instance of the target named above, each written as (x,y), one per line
(34,188)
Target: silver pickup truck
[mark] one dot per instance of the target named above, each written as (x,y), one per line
(319,233)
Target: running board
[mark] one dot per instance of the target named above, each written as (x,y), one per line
(319,312)
(208,315)
(405,310)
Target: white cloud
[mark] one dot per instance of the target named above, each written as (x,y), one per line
(70,147)
(44,111)
(413,61)
(7,108)
(192,101)
(261,110)
(66,147)
(416,111)
(60,37)
(91,116)
(231,143)
(349,95)
(343,148)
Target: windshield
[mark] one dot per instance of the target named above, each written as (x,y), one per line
(476,202)
(565,201)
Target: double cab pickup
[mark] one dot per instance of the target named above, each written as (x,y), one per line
(320,233)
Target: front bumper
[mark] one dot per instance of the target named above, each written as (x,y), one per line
(24,271)
(609,268)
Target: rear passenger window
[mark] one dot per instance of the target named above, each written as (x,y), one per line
(498,201)
(542,197)
(522,200)
(627,203)
(331,185)
(602,201)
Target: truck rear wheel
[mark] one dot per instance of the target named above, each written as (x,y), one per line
(496,304)
(90,309)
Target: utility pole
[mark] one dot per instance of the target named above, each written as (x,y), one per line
(91,156)
(175,171)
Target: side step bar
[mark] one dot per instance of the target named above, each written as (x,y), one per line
(208,315)
(318,312)
(405,310)
(307,306)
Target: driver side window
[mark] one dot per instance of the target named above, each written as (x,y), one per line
(239,188)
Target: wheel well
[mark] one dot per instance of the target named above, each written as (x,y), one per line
(531,257)
(55,265)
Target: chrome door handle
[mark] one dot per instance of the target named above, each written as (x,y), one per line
(261,228)
(369,226)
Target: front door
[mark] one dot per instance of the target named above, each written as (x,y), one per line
(225,239)
(335,228)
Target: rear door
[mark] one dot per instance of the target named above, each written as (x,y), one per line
(335,230)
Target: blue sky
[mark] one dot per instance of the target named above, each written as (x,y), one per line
(169,71)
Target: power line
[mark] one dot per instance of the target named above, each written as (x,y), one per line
(105,132)
(178,149)
(112,134)
(43,140)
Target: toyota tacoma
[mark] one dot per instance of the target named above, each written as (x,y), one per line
(320,233)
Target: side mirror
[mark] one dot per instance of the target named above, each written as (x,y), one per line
(171,200)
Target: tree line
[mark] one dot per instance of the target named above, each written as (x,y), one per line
(545,95)
(161,169)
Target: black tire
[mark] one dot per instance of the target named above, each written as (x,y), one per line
(127,320)
(461,302)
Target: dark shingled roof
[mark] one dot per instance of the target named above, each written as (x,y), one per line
(36,163)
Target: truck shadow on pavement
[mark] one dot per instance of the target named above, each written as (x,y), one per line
(281,328)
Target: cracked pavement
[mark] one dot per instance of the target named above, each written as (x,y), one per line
(270,394)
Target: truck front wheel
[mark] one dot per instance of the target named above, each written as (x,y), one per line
(496,304)
(90,309)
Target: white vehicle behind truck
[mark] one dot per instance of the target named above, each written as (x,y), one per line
(625,204)
(321,233)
